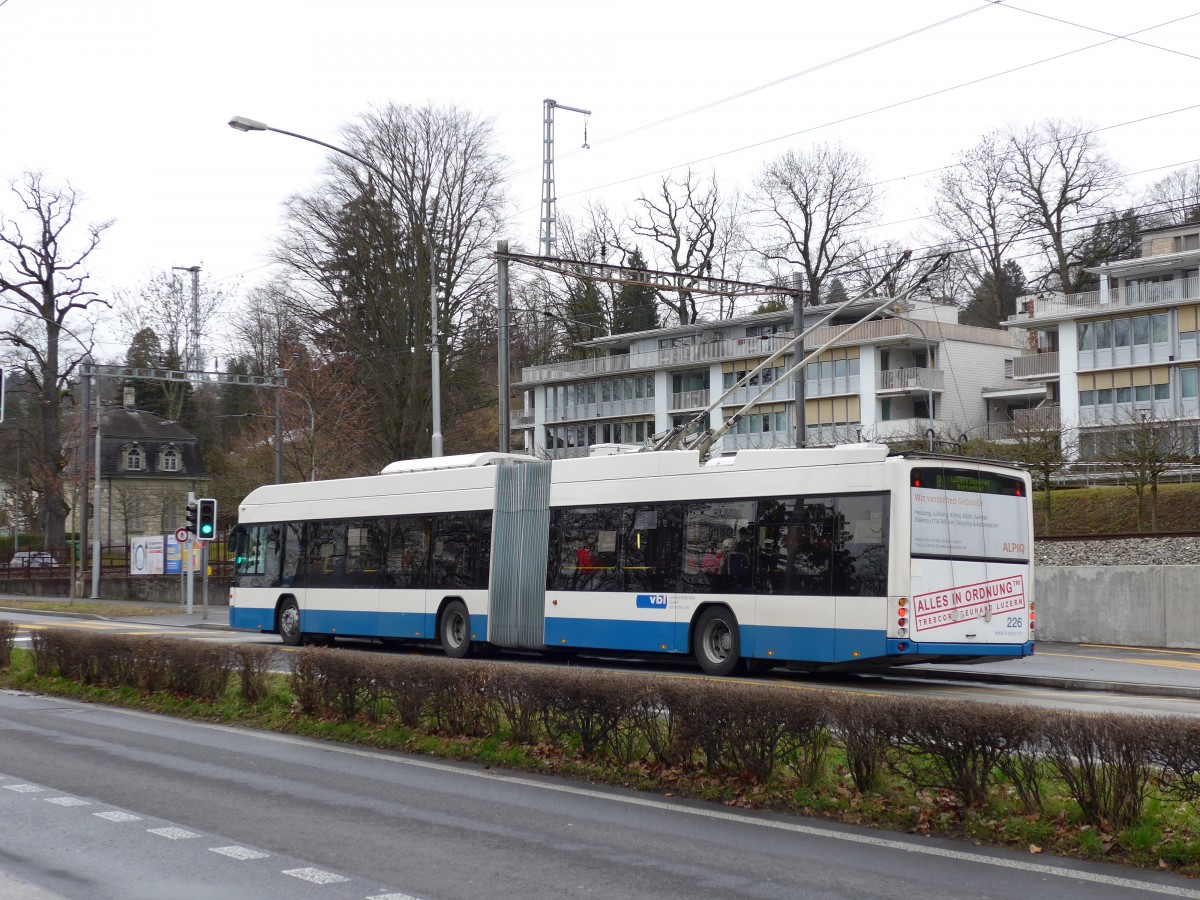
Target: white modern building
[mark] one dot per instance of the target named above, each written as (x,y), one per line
(1123,351)
(890,378)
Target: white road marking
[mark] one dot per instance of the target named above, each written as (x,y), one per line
(316,876)
(174,834)
(239,852)
(24,788)
(118,816)
(392,897)
(68,801)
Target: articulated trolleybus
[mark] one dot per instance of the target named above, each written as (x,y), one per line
(815,559)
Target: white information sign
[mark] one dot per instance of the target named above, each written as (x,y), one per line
(146,555)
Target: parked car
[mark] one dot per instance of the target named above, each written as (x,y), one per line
(33,559)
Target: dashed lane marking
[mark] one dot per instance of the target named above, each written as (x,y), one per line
(68,801)
(239,852)
(24,788)
(174,834)
(316,876)
(118,816)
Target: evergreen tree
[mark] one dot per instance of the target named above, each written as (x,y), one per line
(634,308)
(993,302)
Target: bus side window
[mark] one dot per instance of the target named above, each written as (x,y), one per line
(408,554)
(587,550)
(291,573)
(861,550)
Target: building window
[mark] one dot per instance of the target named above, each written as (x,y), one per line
(1187,242)
(133,459)
(169,461)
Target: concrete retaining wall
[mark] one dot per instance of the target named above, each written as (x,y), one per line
(1140,606)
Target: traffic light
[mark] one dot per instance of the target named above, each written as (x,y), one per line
(207,521)
(191,517)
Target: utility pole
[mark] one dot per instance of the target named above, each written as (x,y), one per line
(798,383)
(549,222)
(502,348)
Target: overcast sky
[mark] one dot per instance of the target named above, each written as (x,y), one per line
(128,99)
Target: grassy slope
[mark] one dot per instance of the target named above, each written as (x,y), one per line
(1105,510)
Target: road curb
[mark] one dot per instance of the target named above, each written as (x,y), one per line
(1171,691)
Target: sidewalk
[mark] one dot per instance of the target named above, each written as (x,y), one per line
(156,613)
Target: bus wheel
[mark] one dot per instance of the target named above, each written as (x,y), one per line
(455,630)
(289,623)
(716,642)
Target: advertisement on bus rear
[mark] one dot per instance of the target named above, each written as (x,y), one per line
(970,557)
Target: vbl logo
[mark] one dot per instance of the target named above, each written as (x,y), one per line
(652,601)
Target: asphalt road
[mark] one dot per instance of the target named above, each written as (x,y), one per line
(120,804)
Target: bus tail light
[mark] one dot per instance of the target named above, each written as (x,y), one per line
(1032,616)
(902,618)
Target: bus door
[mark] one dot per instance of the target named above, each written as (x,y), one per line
(341,577)
(970,575)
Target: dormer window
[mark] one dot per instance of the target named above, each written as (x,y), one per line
(133,459)
(169,462)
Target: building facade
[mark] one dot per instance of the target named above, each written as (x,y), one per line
(890,378)
(1124,353)
(147,467)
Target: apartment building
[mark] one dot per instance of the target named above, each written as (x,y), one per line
(1124,351)
(889,378)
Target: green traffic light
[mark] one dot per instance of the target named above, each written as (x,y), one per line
(207,529)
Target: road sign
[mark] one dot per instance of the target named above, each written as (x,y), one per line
(182,535)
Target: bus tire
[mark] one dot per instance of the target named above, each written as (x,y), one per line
(716,642)
(289,623)
(454,630)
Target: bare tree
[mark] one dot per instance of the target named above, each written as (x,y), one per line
(976,210)
(1176,197)
(694,231)
(813,203)
(1062,178)
(1045,448)
(358,254)
(43,277)
(1144,448)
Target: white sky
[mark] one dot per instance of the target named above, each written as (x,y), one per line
(128,99)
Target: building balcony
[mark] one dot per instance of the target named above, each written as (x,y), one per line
(520,419)
(1070,306)
(1041,418)
(778,392)
(911,380)
(688,400)
(1036,366)
(886,431)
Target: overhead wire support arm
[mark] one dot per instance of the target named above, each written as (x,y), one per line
(651,278)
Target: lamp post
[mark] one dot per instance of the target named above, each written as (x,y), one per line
(241,123)
(312,434)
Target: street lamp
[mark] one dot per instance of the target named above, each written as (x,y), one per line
(241,123)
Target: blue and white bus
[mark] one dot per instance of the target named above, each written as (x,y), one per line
(815,559)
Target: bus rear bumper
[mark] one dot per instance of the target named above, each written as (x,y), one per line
(899,650)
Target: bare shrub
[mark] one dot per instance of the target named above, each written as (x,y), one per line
(738,728)
(58,651)
(404,682)
(954,746)
(253,665)
(152,663)
(8,637)
(804,743)
(1023,760)
(591,707)
(1106,762)
(1177,755)
(520,693)
(306,679)
(458,699)
(196,670)
(348,688)
(868,729)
